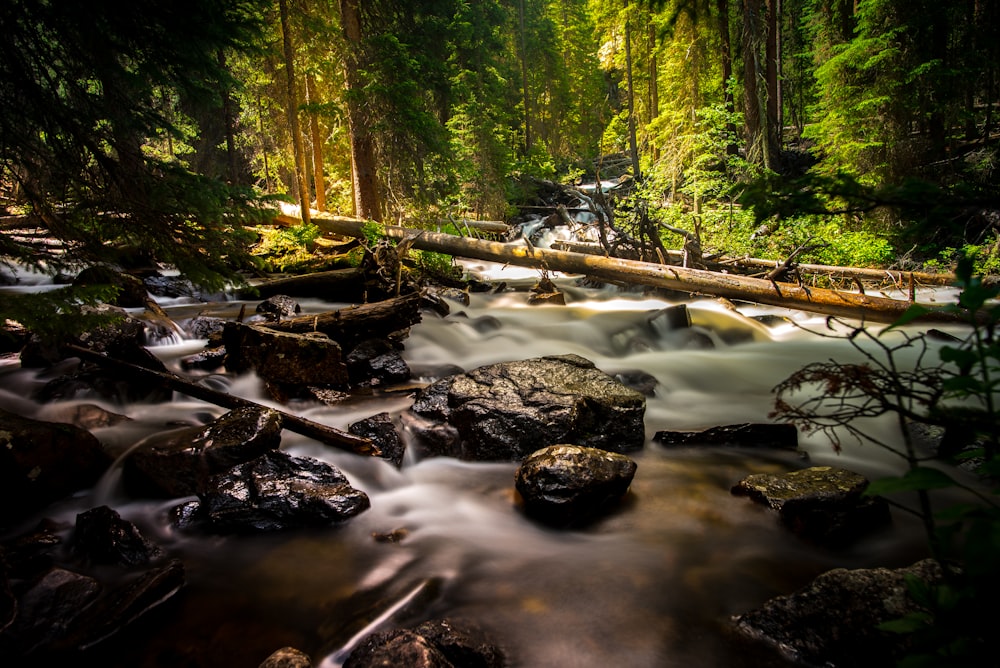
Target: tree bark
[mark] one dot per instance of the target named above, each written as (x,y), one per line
(317,144)
(299,425)
(817,300)
(632,144)
(367,204)
(293,113)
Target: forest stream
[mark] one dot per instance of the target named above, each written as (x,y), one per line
(652,585)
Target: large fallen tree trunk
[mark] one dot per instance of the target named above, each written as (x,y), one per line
(817,300)
(299,425)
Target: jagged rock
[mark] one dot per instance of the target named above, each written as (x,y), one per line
(433,644)
(508,410)
(833,621)
(277,307)
(569,485)
(123,334)
(42,462)
(177,463)
(821,503)
(277,491)
(781,436)
(287,657)
(103,537)
(376,362)
(382,432)
(47,608)
(122,606)
(286,358)
(204,327)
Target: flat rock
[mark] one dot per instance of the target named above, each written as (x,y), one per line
(505,411)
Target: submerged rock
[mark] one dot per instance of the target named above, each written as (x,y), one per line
(820,503)
(834,620)
(508,410)
(177,463)
(568,485)
(782,436)
(277,491)
(376,362)
(42,462)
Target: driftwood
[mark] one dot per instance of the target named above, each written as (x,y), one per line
(818,300)
(323,433)
(349,326)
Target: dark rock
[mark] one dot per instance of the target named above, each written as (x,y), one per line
(277,491)
(121,332)
(506,411)
(640,381)
(822,503)
(42,462)
(48,608)
(170,286)
(569,485)
(287,657)
(177,463)
(209,359)
(440,643)
(8,604)
(382,432)
(781,436)
(29,555)
(204,327)
(285,358)
(833,621)
(123,606)
(103,537)
(278,307)
(376,362)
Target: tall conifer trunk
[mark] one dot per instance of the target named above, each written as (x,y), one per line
(293,112)
(317,144)
(366,192)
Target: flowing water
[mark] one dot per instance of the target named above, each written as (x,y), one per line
(652,585)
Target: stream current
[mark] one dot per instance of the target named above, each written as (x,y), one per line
(653,585)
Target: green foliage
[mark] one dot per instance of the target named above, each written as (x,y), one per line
(55,314)
(287,248)
(958,393)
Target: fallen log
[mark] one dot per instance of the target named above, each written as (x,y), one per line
(694,281)
(346,285)
(349,326)
(321,432)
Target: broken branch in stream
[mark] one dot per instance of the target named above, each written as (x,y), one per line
(321,432)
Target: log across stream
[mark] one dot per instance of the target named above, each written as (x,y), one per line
(652,585)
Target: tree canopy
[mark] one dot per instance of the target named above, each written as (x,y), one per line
(163,124)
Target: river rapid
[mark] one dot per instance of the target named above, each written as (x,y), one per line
(653,585)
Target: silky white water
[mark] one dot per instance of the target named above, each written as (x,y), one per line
(652,585)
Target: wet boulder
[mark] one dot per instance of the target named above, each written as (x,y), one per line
(176,463)
(755,435)
(834,620)
(101,536)
(376,362)
(42,462)
(277,491)
(569,485)
(277,307)
(439,643)
(284,357)
(381,431)
(132,291)
(824,504)
(505,411)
